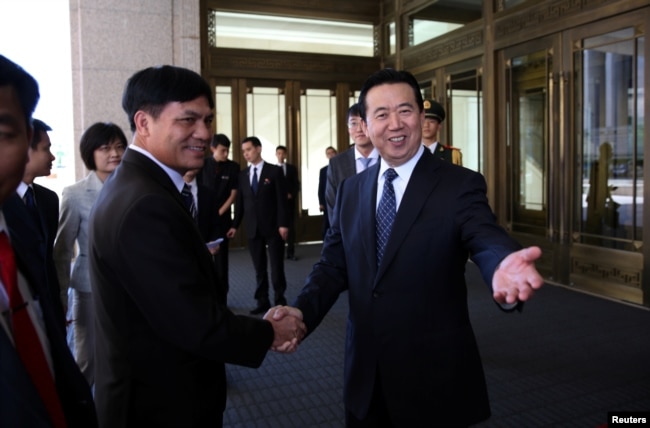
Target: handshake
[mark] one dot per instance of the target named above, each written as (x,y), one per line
(288,328)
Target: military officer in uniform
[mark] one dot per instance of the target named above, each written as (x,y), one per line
(434,114)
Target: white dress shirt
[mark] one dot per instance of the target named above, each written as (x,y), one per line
(400,182)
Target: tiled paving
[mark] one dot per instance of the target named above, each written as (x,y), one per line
(565,361)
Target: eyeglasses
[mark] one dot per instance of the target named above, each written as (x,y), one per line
(353,125)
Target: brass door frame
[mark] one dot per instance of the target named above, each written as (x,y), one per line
(549,239)
(609,272)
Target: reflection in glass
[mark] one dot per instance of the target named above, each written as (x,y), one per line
(609,90)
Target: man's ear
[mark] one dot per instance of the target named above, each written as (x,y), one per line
(142,122)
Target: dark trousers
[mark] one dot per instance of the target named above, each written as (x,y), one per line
(257,247)
(291,238)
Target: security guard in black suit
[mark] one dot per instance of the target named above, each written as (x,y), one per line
(434,114)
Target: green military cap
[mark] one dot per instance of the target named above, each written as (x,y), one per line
(434,110)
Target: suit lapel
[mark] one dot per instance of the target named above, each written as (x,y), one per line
(368,186)
(151,169)
(351,164)
(423,181)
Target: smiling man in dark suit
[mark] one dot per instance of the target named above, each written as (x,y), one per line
(32,214)
(40,383)
(262,204)
(400,237)
(163,334)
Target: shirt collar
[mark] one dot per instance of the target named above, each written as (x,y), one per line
(373,155)
(22,189)
(176,177)
(405,170)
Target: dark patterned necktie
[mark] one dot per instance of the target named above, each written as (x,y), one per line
(188,199)
(30,203)
(254,182)
(385,213)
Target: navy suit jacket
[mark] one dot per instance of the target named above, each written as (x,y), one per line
(267,210)
(408,319)
(20,405)
(39,238)
(163,334)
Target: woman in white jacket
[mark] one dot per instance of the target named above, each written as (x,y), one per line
(101,147)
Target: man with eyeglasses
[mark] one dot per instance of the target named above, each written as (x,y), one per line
(357,158)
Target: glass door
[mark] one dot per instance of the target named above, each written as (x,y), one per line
(530,147)
(609,140)
(302,117)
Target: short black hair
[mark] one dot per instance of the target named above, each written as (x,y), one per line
(256,141)
(11,74)
(153,88)
(283,148)
(220,140)
(354,110)
(94,137)
(389,76)
(39,126)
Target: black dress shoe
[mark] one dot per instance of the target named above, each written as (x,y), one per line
(261,309)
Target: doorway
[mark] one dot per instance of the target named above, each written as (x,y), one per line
(572,120)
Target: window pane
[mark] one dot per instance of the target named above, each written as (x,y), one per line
(442,17)
(282,33)
(266,119)
(318,131)
(223,113)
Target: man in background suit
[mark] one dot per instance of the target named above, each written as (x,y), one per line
(293,187)
(32,214)
(222,175)
(330,152)
(163,335)
(23,400)
(399,241)
(262,205)
(354,160)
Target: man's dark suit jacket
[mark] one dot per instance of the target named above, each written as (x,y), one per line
(322,185)
(267,210)
(163,335)
(408,319)
(20,405)
(208,213)
(40,238)
(292,180)
(223,178)
(341,166)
